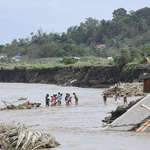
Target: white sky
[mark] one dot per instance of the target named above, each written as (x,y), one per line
(21,17)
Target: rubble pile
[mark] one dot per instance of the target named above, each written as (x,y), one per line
(133,89)
(21,137)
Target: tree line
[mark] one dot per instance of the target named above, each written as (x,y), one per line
(127,33)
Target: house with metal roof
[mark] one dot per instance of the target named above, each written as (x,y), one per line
(16,58)
(101,46)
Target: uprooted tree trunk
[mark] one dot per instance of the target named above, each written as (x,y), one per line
(26,105)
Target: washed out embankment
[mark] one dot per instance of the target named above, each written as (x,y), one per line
(87,76)
(131,118)
(133,89)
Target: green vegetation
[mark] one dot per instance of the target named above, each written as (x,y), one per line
(126,38)
(68,60)
(128,69)
(122,58)
(55,62)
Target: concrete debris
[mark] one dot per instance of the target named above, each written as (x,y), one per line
(132,118)
(121,109)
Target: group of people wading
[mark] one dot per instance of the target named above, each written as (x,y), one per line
(56,99)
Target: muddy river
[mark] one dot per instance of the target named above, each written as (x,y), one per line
(74,127)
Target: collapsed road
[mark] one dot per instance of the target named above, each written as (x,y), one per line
(132,118)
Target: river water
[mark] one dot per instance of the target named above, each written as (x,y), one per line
(75,127)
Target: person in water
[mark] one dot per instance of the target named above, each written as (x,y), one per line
(66,98)
(53,100)
(76,98)
(117,98)
(104,98)
(125,98)
(58,98)
(47,99)
(56,101)
(69,99)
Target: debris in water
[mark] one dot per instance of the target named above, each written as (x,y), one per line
(21,137)
(26,105)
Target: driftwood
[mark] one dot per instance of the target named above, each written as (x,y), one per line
(21,137)
(23,98)
(26,105)
(6,103)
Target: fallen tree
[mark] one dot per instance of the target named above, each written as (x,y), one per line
(26,105)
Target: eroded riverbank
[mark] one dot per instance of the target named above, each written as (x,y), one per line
(87,76)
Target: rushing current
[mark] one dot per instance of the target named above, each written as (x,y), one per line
(75,127)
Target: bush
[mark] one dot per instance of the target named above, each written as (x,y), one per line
(111,62)
(129,69)
(68,60)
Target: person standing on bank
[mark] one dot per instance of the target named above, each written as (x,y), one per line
(104,98)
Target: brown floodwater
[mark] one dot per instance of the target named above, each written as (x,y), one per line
(75,127)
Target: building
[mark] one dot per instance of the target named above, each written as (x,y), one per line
(16,58)
(101,46)
(76,59)
(146,78)
(2,56)
(109,58)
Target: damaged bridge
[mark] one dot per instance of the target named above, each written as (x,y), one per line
(132,117)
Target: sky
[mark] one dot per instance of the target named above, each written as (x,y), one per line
(18,18)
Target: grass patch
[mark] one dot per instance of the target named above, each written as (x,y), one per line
(55,62)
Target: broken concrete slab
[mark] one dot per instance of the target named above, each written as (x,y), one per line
(130,118)
(121,109)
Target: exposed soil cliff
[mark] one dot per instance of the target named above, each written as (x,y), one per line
(88,76)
